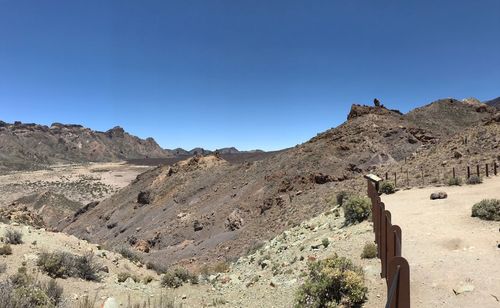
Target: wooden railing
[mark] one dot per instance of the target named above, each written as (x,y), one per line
(394,268)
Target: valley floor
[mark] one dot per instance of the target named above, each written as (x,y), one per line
(79,182)
(448,250)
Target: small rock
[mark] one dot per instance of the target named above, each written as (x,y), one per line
(197,226)
(144,197)
(463,288)
(439,195)
(184,296)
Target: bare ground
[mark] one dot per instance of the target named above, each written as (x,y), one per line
(447,248)
(79,182)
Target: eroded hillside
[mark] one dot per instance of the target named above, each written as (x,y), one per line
(204,209)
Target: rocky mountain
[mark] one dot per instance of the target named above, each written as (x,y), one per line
(494,102)
(28,145)
(205,209)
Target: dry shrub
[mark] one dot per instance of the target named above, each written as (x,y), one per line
(369,251)
(332,282)
(356,209)
(487,209)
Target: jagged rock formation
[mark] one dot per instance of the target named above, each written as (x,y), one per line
(28,145)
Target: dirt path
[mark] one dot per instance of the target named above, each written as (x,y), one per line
(447,248)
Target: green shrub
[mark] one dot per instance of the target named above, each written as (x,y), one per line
(25,291)
(356,209)
(369,251)
(474,179)
(325,242)
(454,181)
(487,209)
(177,277)
(129,254)
(332,282)
(387,188)
(13,237)
(5,250)
(342,197)
(64,264)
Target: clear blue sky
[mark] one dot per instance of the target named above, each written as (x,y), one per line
(253,74)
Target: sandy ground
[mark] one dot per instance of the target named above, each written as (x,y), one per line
(447,248)
(78,182)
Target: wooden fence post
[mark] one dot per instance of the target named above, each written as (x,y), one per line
(386,176)
(386,218)
(495,168)
(400,295)
(454,172)
(477,170)
(407,178)
(487,170)
(468,171)
(395,180)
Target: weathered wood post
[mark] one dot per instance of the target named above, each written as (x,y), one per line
(487,171)
(407,178)
(395,180)
(454,172)
(495,168)
(468,171)
(477,170)
(399,275)
(386,176)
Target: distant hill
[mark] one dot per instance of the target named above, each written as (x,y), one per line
(28,145)
(494,102)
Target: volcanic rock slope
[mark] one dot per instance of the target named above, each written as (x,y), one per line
(25,145)
(494,102)
(206,210)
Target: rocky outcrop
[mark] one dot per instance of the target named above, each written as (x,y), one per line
(28,145)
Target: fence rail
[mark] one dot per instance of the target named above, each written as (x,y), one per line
(402,177)
(388,237)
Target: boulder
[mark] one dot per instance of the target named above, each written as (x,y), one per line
(144,197)
(197,226)
(439,195)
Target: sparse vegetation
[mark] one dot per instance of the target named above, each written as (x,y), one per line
(3,268)
(123,276)
(454,181)
(255,247)
(325,242)
(13,237)
(487,209)
(158,268)
(5,250)
(332,282)
(342,197)
(356,209)
(63,265)
(387,188)
(25,291)
(474,179)
(369,251)
(129,254)
(177,277)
